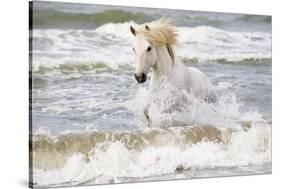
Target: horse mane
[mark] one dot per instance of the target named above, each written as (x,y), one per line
(160,32)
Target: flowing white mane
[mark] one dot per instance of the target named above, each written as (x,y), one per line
(160,32)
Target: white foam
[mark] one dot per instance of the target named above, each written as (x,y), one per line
(117,31)
(207,43)
(42,131)
(111,45)
(114,161)
(169,106)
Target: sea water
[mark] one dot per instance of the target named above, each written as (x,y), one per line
(88,125)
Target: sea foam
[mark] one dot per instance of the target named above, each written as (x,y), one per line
(110,44)
(214,136)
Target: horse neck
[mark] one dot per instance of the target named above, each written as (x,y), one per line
(163,66)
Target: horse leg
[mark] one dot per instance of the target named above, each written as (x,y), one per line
(212,97)
(146,111)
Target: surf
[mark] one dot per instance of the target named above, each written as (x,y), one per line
(149,153)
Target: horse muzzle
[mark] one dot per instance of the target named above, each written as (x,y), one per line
(141,78)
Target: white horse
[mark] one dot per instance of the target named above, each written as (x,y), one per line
(154,50)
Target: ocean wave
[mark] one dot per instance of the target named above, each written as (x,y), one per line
(49,19)
(226,136)
(88,156)
(84,65)
(65,145)
(175,140)
(245,61)
(110,44)
(207,43)
(254,18)
(68,66)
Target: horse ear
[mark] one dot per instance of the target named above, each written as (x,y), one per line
(146,27)
(133,31)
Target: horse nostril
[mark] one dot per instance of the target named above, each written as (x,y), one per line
(143,77)
(140,78)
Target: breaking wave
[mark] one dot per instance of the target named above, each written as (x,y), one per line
(175,141)
(154,152)
(197,135)
(110,44)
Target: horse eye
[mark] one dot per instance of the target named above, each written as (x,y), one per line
(133,49)
(149,48)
